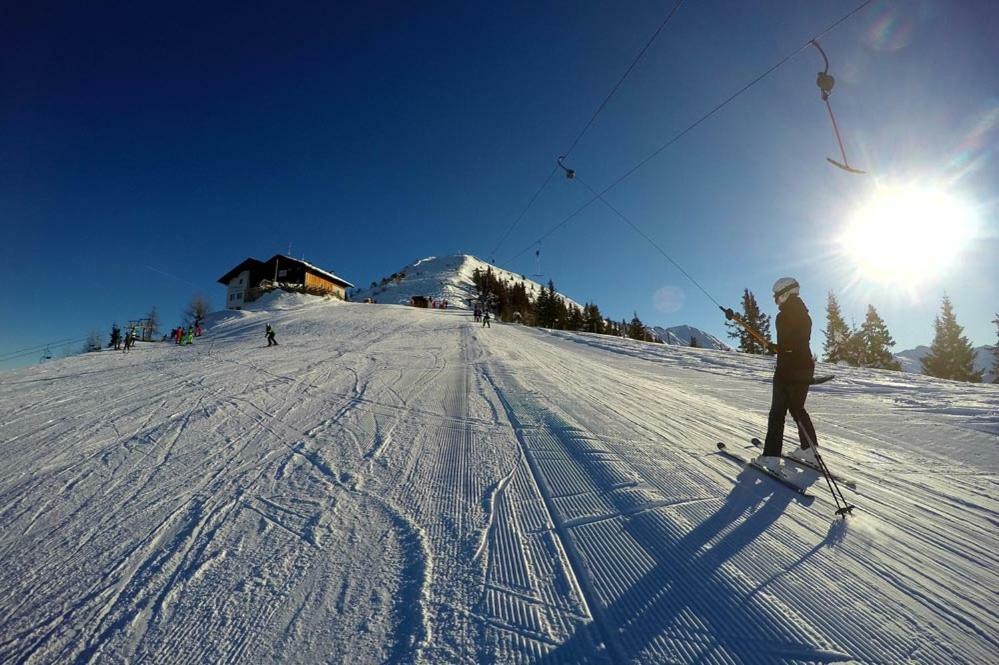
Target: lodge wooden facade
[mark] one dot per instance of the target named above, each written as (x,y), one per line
(251,278)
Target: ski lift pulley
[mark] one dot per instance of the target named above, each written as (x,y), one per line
(825,82)
(569,173)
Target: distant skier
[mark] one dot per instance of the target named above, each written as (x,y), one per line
(477,314)
(485,319)
(189,335)
(270,336)
(116,337)
(795,369)
(128,341)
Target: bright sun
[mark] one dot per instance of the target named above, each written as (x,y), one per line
(907,235)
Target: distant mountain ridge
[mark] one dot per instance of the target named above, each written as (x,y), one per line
(911,360)
(681,336)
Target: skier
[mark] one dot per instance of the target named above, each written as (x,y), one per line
(485,319)
(116,337)
(477,314)
(270,336)
(128,342)
(795,369)
(189,335)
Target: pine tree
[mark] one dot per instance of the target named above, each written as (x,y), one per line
(756,320)
(852,350)
(93,342)
(559,309)
(593,320)
(837,333)
(951,355)
(541,309)
(875,343)
(636,329)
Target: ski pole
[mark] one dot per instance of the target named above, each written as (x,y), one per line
(834,488)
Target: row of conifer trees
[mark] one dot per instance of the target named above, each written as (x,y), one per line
(511,302)
(951,355)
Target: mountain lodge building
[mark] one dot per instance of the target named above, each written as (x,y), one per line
(252,278)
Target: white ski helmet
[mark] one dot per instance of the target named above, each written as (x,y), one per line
(784,287)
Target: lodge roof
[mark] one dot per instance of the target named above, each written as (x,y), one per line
(249,264)
(252,265)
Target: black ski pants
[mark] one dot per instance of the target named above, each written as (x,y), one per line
(788,397)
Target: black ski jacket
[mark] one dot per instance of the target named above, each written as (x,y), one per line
(794,330)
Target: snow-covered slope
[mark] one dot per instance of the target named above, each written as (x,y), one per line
(681,335)
(442,278)
(398,485)
(984,360)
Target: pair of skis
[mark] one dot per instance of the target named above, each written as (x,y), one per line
(843,507)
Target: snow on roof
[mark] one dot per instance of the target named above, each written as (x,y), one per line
(313,268)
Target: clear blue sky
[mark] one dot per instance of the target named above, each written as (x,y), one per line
(146,150)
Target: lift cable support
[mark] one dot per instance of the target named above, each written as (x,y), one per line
(586,127)
(569,173)
(825,81)
(676,137)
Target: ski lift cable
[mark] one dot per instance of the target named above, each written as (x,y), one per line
(524,211)
(39,347)
(676,137)
(648,239)
(12,355)
(586,127)
(617,85)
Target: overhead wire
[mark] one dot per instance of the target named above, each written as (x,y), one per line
(652,242)
(12,355)
(586,127)
(676,137)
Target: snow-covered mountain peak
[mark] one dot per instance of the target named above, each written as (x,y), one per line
(682,335)
(448,278)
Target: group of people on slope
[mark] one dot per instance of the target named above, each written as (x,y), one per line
(123,344)
(481,315)
(182,336)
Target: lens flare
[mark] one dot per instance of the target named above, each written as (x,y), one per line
(908,235)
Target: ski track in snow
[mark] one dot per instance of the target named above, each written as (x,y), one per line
(403,486)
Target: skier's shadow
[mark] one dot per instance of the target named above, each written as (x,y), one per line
(685,587)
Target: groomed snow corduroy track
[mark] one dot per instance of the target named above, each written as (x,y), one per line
(397,485)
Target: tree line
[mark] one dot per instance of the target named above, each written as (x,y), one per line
(511,301)
(951,355)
